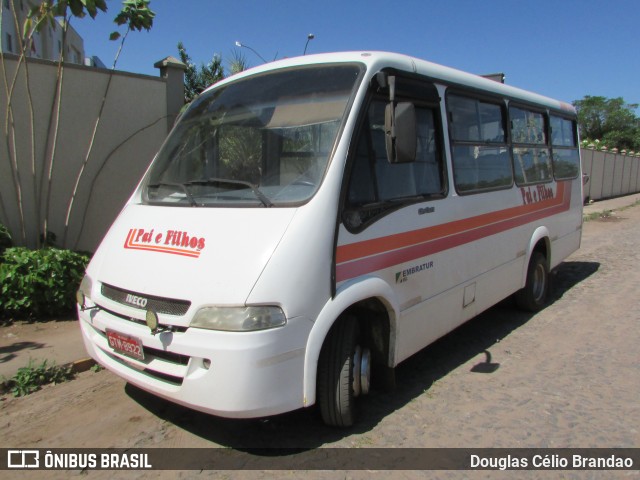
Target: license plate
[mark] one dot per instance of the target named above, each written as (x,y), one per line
(125,344)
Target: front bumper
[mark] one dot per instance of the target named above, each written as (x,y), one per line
(230,374)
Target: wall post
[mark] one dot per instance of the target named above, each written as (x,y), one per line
(172,70)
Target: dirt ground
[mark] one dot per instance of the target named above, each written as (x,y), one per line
(568,376)
(58,341)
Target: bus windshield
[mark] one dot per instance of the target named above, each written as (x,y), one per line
(262,141)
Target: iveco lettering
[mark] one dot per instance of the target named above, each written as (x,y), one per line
(311,223)
(135,300)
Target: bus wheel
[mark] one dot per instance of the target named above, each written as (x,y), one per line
(533,297)
(344,371)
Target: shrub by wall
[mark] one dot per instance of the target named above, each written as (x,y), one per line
(39,284)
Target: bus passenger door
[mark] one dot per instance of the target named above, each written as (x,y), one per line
(391,210)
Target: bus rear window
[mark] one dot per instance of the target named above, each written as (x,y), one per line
(564,142)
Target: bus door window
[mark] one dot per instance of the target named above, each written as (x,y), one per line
(376,186)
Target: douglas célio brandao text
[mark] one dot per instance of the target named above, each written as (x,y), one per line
(550,461)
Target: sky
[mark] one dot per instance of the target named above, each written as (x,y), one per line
(564,49)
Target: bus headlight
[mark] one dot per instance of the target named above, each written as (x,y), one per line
(239,319)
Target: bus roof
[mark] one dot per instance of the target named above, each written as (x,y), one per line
(376,61)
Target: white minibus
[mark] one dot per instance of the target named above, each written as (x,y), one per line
(311,223)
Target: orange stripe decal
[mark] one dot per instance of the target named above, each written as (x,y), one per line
(367,256)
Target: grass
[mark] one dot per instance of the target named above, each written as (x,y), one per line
(31,378)
(608,213)
(96,368)
(597,215)
(637,202)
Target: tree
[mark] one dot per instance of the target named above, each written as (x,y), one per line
(610,120)
(135,15)
(195,81)
(238,62)
(38,16)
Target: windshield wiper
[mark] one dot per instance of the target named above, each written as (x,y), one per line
(182,186)
(254,188)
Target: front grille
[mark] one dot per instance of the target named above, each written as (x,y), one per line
(169,306)
(173,328)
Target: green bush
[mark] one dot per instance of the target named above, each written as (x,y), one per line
(5,239)
(39,283)
(29,379)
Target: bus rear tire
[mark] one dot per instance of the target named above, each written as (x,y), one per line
(342,359)
(533,297)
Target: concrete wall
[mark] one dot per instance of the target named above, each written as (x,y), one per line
(133,125)
(611,174)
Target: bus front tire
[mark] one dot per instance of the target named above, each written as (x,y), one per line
(338,365)
(533,297)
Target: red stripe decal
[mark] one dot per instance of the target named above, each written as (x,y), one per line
(368,256)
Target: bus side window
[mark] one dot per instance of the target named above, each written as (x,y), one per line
(481,160)
(532,161)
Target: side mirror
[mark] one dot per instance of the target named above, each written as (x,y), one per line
(400,132)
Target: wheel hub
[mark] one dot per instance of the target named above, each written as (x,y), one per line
(361,371)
